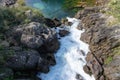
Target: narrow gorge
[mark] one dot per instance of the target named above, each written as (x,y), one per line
(59,40)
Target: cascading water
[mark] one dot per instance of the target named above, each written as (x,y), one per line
(70,57)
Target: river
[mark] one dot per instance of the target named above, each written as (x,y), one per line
(50,8)
(70,58)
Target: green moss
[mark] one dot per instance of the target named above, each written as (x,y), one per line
(108,59)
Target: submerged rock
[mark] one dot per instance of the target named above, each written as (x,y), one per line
(63,33)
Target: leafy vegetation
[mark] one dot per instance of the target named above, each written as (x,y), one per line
(16,15)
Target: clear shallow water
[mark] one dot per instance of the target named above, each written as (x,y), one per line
(70,60)
(50,8)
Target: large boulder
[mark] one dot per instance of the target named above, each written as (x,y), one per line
(30,60)
(36,35)
(24,60)
(33,35)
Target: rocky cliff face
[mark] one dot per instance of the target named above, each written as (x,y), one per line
(104,40)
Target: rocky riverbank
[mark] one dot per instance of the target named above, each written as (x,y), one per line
(104,43)
(28,46)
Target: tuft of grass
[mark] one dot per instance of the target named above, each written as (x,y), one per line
(114,9)
(108,60)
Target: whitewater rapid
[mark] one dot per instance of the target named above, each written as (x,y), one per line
(70,58)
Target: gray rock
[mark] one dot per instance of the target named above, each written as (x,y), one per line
(24,60)
(63,33)
(36,35)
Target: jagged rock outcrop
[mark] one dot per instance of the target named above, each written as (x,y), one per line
(33,45)
(103,40)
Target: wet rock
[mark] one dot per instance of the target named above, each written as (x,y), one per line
(80,26)
(52,23)
(95,68)
(87,70)
(57,22)
(83,53)
(79,77)
(63,33)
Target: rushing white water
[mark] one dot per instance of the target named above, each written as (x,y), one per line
(70,60)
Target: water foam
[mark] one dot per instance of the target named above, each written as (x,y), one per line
(69,58)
